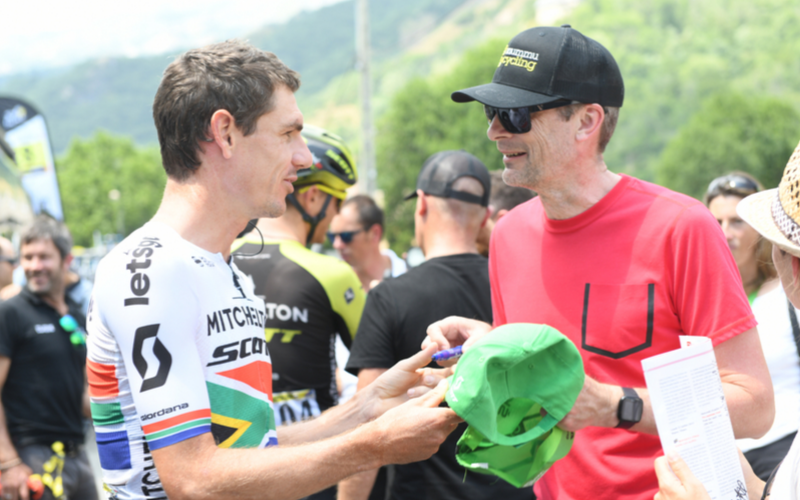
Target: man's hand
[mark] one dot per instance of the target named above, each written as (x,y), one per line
(454,331)
(414,430)
(596,406)
(15,482)
(676,481)
(408,378)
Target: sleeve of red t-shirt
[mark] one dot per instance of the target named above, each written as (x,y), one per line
(707,290)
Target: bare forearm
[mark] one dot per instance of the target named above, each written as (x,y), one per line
(751,406)
(335,421)
(7,450)
(358,486)
(283,472)
(87,405)
(748,406)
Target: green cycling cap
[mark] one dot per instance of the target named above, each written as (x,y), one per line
(500,387)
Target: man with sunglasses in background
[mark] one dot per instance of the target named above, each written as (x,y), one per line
(310,298)
(452,196)
(357,233)
(42,372)
(620,266)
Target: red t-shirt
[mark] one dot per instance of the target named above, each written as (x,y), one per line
(622,280)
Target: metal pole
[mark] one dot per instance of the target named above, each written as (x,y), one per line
(367,133)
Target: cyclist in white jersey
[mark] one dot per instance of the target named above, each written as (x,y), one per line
(178,365)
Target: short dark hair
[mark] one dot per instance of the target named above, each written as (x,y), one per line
(505,197)
(231,75)
(609,122)
(45,227)
(369,213)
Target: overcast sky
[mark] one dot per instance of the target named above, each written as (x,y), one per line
(47,33)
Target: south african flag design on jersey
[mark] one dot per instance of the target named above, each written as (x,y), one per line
(240,415)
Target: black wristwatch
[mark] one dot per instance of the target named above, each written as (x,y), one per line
(629,411)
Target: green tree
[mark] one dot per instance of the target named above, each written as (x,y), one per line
(730,132)
(91,169)
(422,120)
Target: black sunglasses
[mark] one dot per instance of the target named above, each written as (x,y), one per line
(346,236)
(518,120)
(731,183)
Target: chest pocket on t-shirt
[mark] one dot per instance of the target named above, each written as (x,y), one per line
(617,319)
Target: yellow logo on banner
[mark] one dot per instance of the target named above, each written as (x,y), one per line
(30,156)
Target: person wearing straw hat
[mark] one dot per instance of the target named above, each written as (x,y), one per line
(778,327)
(775,214)
(620,266)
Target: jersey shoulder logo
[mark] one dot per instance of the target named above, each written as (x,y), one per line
(161,353)
(202,261)
(349,295)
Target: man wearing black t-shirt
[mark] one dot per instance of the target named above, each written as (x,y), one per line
(42,367)
(452,195)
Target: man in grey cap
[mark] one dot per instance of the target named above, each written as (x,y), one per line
(452,196)
(620,266)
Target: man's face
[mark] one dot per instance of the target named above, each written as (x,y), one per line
(44,268)
(359,247)
(538,156)
(271,156)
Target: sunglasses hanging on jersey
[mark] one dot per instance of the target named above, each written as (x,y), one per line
(70,325)
(518,120)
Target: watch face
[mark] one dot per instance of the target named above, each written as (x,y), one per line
(630,410)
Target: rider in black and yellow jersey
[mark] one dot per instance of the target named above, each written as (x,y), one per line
(310,298)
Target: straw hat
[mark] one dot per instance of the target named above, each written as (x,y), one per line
(775,213)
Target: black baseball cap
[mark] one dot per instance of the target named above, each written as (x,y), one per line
(546,64)
(442,169)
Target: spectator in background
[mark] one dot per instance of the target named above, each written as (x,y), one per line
(502,199)
(775,214)
(357,233)
(8,261)
(42,370)
(777,318)
(79,289)
(452,198)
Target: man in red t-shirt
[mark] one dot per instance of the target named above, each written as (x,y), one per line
(620,266)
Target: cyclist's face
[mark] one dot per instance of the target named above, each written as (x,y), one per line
(272,155)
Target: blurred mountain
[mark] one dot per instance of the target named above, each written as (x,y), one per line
(408,38)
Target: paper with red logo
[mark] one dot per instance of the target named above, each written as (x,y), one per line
(692,415)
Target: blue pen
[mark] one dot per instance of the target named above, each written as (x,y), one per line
(455,352)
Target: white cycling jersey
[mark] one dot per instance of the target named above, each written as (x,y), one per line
(175,349)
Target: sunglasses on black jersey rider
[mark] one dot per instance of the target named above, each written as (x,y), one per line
(518,120)
(346,236)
